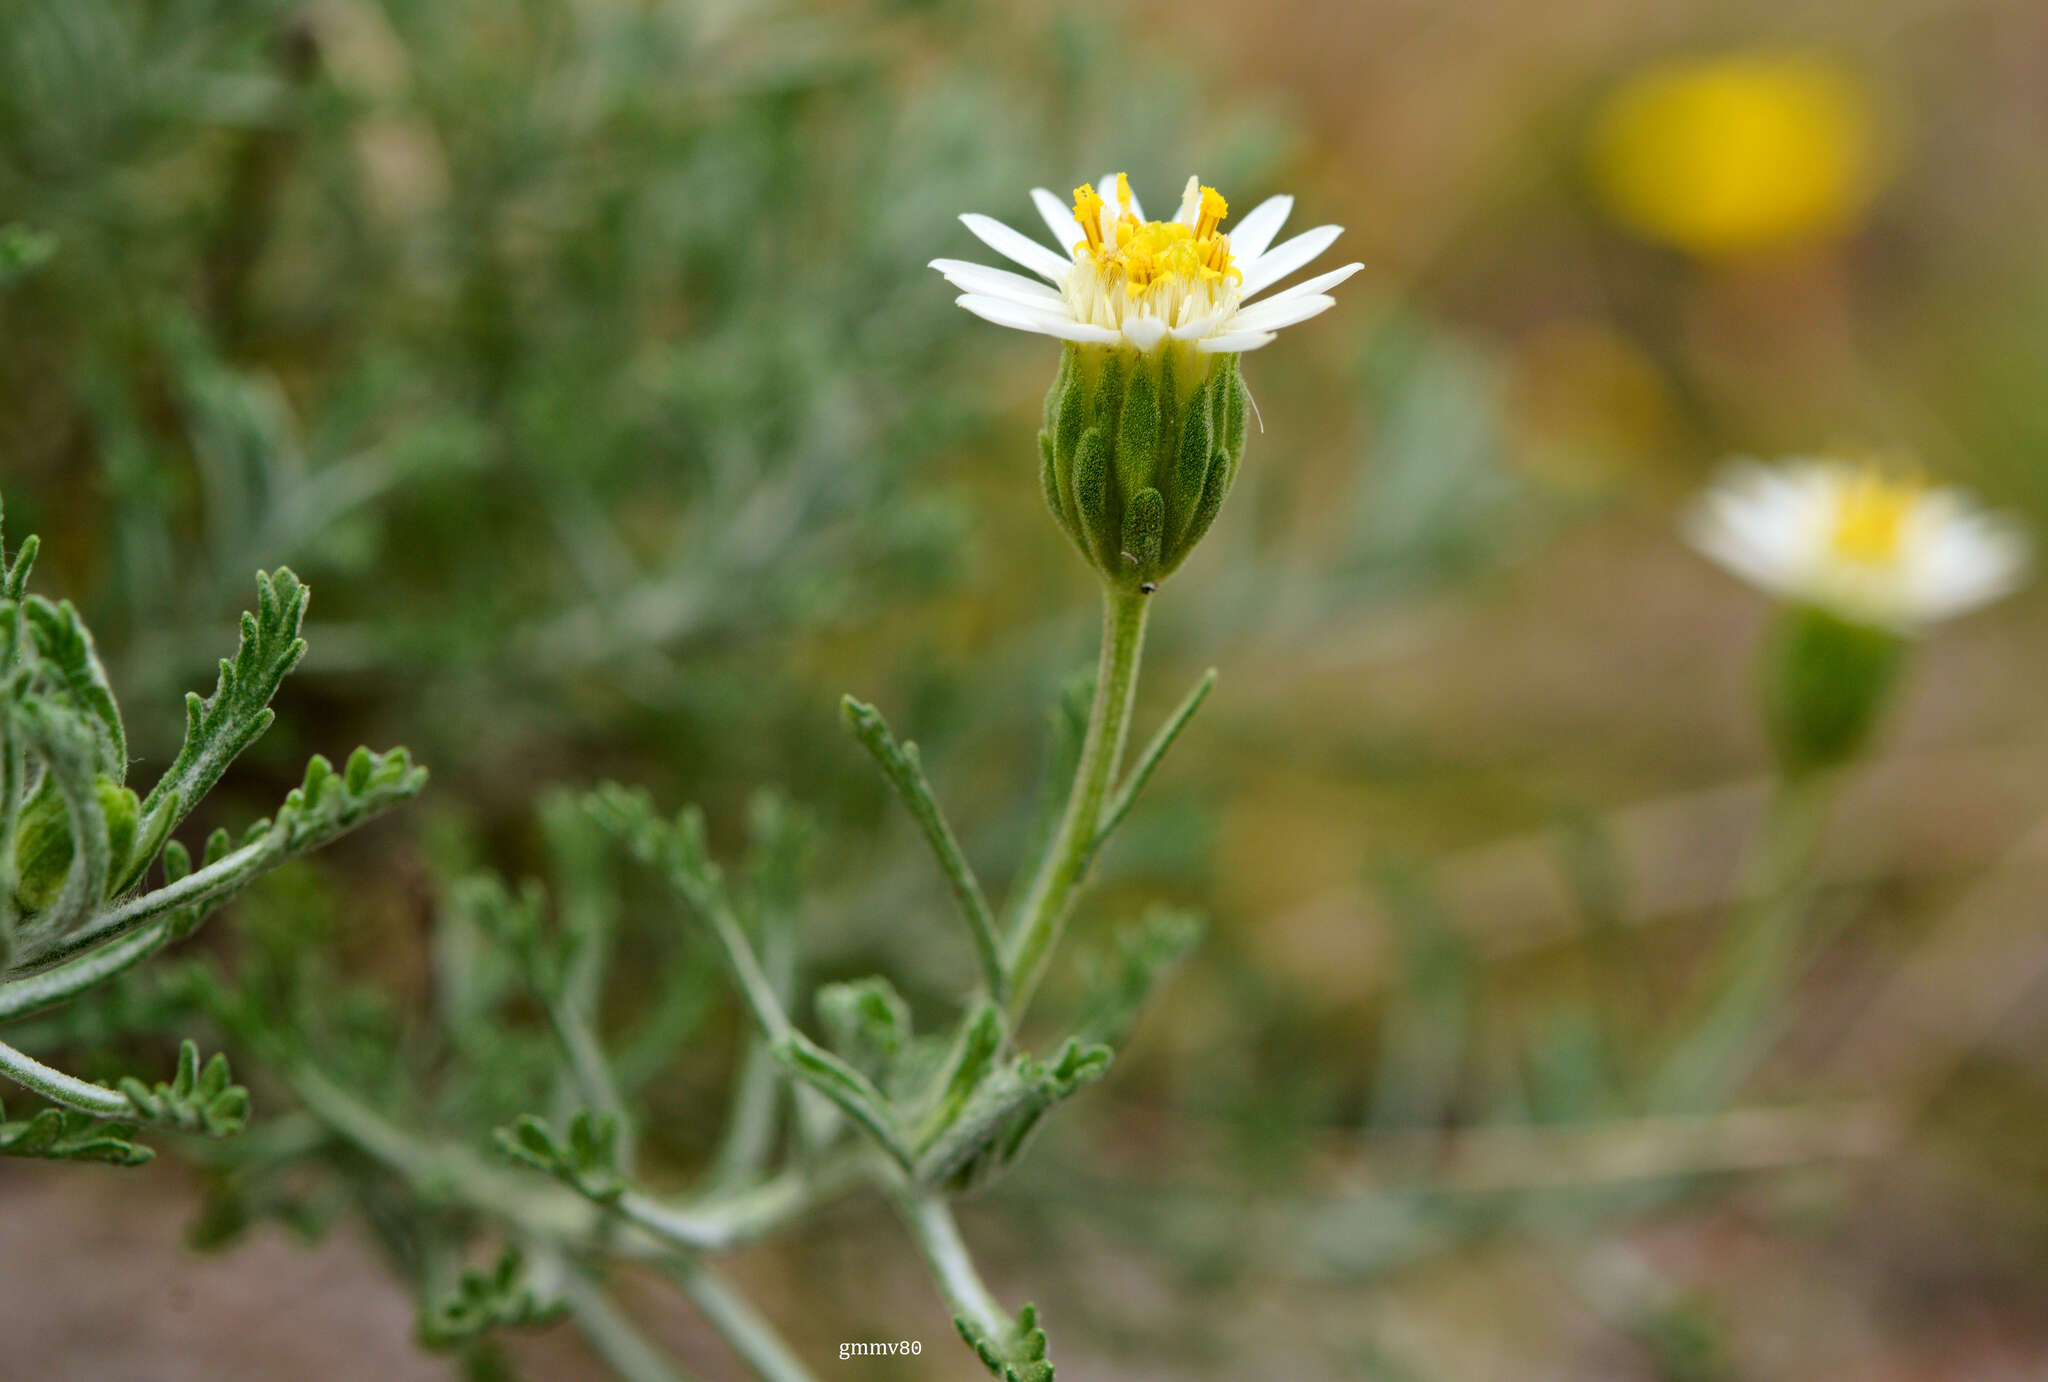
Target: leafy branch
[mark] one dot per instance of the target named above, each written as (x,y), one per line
(508,1296)
(62,1134)
(936,1114)
(76,843)
(220,727)
(1015,1353)
(587,1161)
(676,848)
(904,769)
(197,1099)
(1149,759)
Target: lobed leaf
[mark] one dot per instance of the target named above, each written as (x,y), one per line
(587,1160)
(219,728)
(1017,1356)
(867,1022)
(991,1128)
(68,666)
(198,1098)
(506,1297)
(14,571)
(1121,980)
(55,1134)
(330,804)
(904,769)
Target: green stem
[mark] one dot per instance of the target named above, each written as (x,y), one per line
(901,765)
(738,1323)
(930,1221)
(443,1172)
(13,776)
(803,1058)
(1045,908)
(590,1072)
(751,1126)
(729,1220)
(52,986)
(217,879)
(451,1173)
(747,974)
(757,1094)
(1732,1022)
(613,1335)
(1149,759)
(68,1090)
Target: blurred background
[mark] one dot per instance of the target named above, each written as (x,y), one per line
(580,354)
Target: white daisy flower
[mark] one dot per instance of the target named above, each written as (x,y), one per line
(1121,279)
(1851,540)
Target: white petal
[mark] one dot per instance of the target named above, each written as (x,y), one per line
(1012,308)
(1003,312)
(1727,545)
(1782,515)
(1144,332)
(1207,324)
(1272,316)
(1972,559)
(1256,231)
(1018,247)
(1284,258)
(971,277)
(1059,219)
(1106,189)
(1235,341)
(1190,203)
(1309,286)
(1754,521)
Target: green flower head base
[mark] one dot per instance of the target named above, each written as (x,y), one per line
(1144,428)
(1138,453)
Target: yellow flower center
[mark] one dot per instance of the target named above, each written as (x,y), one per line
(1870,519)
(1175,271)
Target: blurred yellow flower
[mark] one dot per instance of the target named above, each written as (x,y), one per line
(1739,153)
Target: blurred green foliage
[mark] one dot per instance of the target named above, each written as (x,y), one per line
(582,353)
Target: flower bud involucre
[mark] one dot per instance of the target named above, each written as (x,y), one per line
(1138,452)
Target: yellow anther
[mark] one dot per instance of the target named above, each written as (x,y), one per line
(1158,263)
(1088,211)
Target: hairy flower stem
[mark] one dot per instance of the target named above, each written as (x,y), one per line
(738,1323)
(1732,1022)
(1044,913)
(60,1088)
(614,1337)
(930,1221)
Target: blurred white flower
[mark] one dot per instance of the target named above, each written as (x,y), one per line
(1121,279)
(1858,543)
